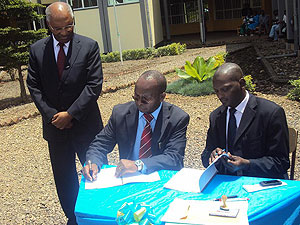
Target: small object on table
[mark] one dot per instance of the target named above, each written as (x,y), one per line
(224,206)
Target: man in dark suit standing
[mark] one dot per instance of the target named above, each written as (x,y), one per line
(65,80)
(150,133)
(252,130)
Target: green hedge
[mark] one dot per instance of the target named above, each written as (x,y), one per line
(294,94)
(144,53)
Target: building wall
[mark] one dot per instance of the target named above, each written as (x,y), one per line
(155,20)
(87,23)
(130,27)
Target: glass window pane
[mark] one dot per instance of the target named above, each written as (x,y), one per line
(236,4)
(111,3)
(219,15)
(89,3)
(219,4)
(228,14)
(76,4)
(227,4)
(237,13)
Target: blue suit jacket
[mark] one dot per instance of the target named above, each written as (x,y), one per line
(77,92)
(262,137)
(168,138)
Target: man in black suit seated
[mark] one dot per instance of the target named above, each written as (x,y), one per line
(252,130)
(166,124)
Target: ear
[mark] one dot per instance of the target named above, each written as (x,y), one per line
(162,96)
(242,82)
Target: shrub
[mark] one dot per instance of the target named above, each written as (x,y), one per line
(201,70)
(294,94)
(191,87)
(144,53)
(249,84)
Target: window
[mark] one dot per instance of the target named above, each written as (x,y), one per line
(228,9)
(111,2)
(79,4)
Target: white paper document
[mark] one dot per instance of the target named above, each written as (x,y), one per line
(192,180)
(258,187)
(106,178)
(201,212)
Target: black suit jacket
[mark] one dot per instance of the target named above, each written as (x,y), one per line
(262,137)
(168,138)
(77,92)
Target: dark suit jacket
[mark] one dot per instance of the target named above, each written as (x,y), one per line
(168,138)
(77,92)
(262,137)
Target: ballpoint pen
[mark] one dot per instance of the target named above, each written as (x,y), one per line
(228,197)
(90,168)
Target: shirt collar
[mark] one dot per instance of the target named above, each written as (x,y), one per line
(241,107)
(154,114)
(55,42)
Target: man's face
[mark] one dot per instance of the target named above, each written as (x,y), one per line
(230,93)
(146,95)
(62,27)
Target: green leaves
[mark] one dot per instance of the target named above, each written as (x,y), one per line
(201,70)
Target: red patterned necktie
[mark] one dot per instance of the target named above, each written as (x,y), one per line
(145,147)
(61,58)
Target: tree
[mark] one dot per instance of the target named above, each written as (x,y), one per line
(16,16)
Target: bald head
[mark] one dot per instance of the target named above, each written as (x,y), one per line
(229,71)
(58,10)
(229,84)
(156,76)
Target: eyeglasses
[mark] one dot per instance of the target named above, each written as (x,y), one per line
(58,29)
(143,99)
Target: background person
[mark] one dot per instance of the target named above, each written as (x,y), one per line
(126,127)
(65,80)
(253,130)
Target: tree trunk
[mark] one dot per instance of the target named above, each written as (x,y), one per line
(22,85)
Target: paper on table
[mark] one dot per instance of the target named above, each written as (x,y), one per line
(106,178)
(258,187)
(197,212)
(193,180)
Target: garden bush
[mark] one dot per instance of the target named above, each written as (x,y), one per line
(294,94)
(144,53)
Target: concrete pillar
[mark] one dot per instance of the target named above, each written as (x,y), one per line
(289,16)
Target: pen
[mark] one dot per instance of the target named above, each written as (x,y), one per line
(90,168)
(230,196)
(237,199)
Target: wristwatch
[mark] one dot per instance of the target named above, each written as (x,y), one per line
(139,164)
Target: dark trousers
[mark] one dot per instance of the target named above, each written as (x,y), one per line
(62,156)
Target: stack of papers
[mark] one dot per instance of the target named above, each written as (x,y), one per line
(106,178)
(193,180)
(257,187)
(201,212)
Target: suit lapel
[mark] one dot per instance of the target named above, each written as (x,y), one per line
(221,123)
(161,124)
(131,123)
(49,62)
(73,51)
(247,117)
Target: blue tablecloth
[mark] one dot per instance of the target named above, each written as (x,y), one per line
(279,205)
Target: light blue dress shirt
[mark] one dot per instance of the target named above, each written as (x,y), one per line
(140,128)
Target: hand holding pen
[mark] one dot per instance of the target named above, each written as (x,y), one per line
(215,154)
(90,171)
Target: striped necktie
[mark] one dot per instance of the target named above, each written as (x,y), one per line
(145,147)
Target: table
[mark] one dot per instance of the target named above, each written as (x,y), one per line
(279,205)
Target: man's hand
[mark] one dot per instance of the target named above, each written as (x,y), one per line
(62,120)
(86,172)
(215,154)
(125,166)
(235,163)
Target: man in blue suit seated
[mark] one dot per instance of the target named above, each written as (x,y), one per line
(150,133)
(253,131)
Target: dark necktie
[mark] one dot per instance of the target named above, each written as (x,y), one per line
(61,58)
(231,129)
(145,147)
